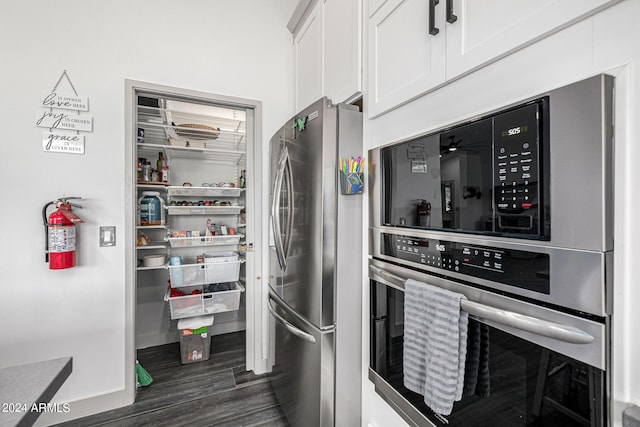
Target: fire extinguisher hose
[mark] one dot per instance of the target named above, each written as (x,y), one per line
(46,230)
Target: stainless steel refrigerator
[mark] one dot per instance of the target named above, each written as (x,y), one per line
(315,276)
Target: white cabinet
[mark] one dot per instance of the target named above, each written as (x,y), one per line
(307,47)
(490,29)
(327,51)
(342,61)
(404,59)
(416,45)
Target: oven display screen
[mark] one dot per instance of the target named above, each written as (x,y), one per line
(514,131)
(521,269)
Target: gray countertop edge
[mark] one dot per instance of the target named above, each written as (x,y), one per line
(29,384)
(631,416)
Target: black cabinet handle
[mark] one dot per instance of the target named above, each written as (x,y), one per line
(451,18)
(433,30)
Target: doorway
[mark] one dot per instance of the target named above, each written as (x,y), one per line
(197,155)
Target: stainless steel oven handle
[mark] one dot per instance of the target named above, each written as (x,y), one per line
(509,318)
(295,331)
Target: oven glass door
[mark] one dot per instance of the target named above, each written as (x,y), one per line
(519,383)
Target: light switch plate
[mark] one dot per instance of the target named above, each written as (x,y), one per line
(107,235)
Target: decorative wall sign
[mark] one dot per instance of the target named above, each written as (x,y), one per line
(54,99)
(62,143)
(63,120)
(58,117)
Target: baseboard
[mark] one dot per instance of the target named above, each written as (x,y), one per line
(85,407)
(152,340)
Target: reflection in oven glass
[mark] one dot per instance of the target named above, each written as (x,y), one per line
(526,385)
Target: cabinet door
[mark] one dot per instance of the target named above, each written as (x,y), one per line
(307,46)
(342,49)
(404,59)
(489,29)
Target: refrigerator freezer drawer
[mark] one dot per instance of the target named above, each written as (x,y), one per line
(303,374)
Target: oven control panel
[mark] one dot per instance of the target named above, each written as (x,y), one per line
(521,269)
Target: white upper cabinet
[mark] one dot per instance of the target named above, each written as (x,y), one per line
(489,29)
(342,65)
(327,45)
(417,45)
(404,60)
(307,54)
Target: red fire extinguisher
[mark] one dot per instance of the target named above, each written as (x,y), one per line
(60,234)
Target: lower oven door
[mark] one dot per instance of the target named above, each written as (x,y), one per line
(535,366)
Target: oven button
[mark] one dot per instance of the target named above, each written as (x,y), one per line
(525,146)
(457,268)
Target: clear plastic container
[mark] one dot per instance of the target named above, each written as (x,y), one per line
(151,209)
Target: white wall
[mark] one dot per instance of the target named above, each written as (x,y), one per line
(239,48)
(607,42)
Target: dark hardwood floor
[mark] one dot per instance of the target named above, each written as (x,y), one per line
(216,392)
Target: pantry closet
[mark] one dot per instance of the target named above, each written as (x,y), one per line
(194,229)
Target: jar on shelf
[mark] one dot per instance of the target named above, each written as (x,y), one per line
(151,209)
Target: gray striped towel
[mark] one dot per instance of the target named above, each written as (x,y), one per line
(435,344)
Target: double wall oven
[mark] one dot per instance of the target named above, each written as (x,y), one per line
(513,210)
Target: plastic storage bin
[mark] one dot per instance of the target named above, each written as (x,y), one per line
(213,270)
(215,298)
(195,340)
(181,242)
(221,267)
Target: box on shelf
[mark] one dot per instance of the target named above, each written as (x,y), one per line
(214,298)
(195,340)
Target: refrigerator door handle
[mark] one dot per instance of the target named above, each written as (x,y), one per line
(295,331)
(290,208)
(275,208)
